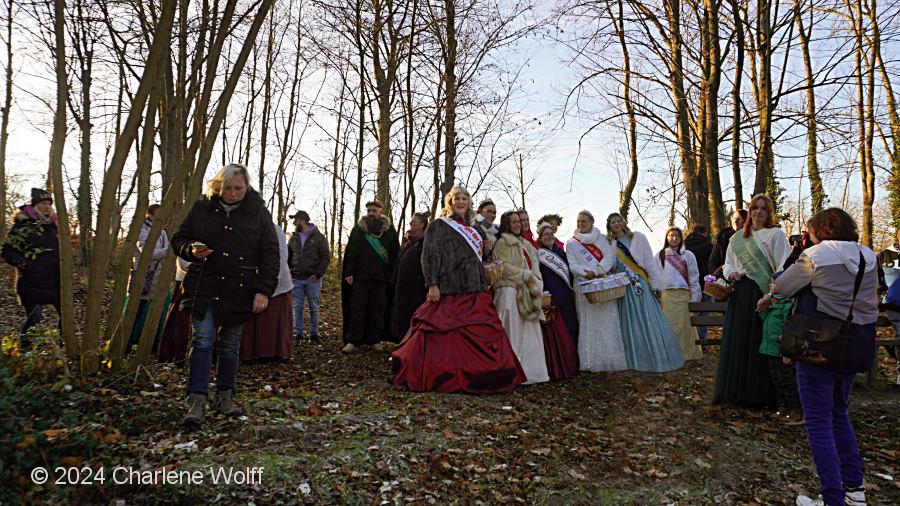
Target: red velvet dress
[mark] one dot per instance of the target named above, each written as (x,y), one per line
(458,343)
(562,356)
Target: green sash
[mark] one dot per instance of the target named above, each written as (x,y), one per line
(752,259)
(378,247)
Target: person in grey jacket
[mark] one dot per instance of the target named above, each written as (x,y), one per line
(822,283)
(160,249)
(308,259)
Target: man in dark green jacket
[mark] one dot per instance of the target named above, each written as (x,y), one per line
(308,259)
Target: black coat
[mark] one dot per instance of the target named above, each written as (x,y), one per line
(245,259)
(310,258)
(361,262)
(409,288)
(700,246)
(717,257)
(32,246)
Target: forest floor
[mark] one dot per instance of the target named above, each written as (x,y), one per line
(328,428)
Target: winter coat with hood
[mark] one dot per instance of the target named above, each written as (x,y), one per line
(822,281)
(32,246)
(244,261)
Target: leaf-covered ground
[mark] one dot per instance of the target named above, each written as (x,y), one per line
(328,428)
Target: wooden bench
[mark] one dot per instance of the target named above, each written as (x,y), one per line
(718,320)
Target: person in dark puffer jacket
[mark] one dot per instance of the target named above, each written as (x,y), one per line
(32,247)
(308,259)
(229,238)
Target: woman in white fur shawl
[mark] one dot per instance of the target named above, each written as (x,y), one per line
(517,295)
(590,254)
(650,343)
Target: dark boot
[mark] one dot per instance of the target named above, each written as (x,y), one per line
(225,405)
(314,339)
(196,410)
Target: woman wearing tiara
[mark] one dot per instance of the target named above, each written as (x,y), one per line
(600,346)
(650,342)
(455,342)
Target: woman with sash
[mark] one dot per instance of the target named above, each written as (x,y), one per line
(590,255)
(517,296)
(456,342)
(681,286)
(754,253)
(558,277)
(650,343)
(560,347)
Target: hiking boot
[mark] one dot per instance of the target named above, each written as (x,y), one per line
(225,405)
(802,500)
(855,496)
(298,338)
(314,339)
(196,411)
(349,348)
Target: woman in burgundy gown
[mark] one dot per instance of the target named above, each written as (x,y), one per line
(560,347)
(455,342)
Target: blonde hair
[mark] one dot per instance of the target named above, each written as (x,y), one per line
(214,185)
(448,203)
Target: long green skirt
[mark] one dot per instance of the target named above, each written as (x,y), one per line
(743,374)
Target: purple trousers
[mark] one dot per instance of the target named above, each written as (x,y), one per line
(824,395)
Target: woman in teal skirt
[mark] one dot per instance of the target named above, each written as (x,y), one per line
(650,343)
(753,255)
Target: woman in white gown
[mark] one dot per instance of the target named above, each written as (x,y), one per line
(591,255)
(517,296)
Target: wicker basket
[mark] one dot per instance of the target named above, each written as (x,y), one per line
(605,289)
(493,271)
(605,295)
(717,291)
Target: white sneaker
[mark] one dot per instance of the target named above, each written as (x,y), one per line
(378,347)
(855,496)
(802,500)
(349,348)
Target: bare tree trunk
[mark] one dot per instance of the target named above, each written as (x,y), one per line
(894,118)
(357,208)
(267,102)
(4,120)
(698,208)
(450,93)
(817,190)
(862,112)
(85,207)
(710,95)
(105,238)
(625,196)
(57,146)
(736,116)
(765,162)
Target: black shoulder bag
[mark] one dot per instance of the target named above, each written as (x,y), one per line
(818,339)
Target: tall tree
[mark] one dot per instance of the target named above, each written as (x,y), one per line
(57,146)
(817,190)
(5,112)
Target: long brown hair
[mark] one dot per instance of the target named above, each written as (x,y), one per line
(770,214)
(662,252)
